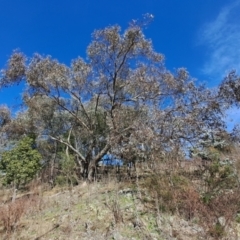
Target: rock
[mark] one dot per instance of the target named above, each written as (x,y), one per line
(126,191)
(136,223)
(117,236)
(65,217)
(83,185)
(171,220)
(222,221)
(131,210)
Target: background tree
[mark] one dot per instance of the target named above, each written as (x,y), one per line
(229,89)
(5,118)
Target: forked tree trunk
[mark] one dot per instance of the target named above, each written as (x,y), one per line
(87,169)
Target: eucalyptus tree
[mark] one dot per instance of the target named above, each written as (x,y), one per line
(119,99)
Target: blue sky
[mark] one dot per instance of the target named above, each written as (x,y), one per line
(201,35)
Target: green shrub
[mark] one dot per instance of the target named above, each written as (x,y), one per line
(67,171)
(21,163)
(217,230)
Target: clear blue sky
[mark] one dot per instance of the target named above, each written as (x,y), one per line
(201,35)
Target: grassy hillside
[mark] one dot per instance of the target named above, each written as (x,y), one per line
(145,206)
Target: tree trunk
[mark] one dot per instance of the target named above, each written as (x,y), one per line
(91,173)
(14,192)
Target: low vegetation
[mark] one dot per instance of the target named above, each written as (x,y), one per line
(150,203)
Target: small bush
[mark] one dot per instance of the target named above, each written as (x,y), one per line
(217,231)
(67,174)
(11,214)
(62,180)
(174,193)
